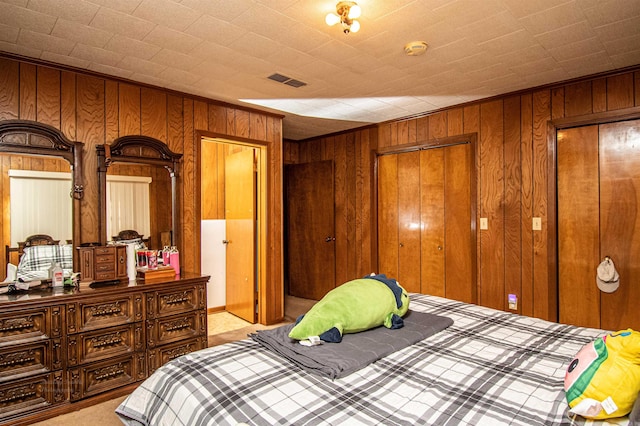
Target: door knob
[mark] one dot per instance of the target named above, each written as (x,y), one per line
(225,241)
(329,239)
(401,245)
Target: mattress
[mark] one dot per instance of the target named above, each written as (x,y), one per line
(488,368)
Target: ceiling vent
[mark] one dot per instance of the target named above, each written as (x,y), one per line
(286,80)
(415,48)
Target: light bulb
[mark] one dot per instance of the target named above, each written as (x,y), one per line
(355,12)
(355,27)
(332,19)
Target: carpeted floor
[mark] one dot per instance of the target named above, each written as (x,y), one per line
(223,328)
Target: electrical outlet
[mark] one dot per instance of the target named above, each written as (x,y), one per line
(513,301)
(484,223)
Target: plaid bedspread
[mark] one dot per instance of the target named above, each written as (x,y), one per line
(36,260)
(489,368)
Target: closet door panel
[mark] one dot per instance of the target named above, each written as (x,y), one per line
(578,226)
(458,239)
(388,215)
(432,218)
(620,221)
(409,221)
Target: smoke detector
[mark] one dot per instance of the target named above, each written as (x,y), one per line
(415,48)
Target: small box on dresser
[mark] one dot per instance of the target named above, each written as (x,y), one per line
(103,263)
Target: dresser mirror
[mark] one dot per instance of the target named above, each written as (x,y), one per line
(137,177)
(37,160)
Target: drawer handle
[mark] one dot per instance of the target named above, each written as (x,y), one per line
(17,358)
(16,324)
(108,309)
(104,267)
(106,340)
(175,298)
(178,325)
(109,372)
(16,394)
(178,352)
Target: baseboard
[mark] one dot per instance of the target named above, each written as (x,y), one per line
(216,309)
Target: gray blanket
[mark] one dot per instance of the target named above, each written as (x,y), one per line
(356,351)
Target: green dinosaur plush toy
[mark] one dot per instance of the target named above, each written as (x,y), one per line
(354,306)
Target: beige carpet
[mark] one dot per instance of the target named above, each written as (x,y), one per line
(223,327)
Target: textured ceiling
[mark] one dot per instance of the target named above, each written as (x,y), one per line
(226,49)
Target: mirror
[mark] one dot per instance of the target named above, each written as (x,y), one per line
(38,156)
(138,168)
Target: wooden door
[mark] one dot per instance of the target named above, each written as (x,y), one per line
(240,220)
(598,177)
(399,219)
(433,221)
(388,238)
(425,217)
(310,229)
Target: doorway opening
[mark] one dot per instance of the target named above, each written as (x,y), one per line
(232,212)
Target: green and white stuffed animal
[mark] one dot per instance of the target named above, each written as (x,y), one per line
(354,306)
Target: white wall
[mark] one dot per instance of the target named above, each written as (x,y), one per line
(213,260)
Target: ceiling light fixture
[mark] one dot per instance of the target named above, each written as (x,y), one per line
(347,12)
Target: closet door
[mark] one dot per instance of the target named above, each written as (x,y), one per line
(425,228)
(409,221)
(399,220)
(432,213)
(620,221)
(388,250)
(598,177)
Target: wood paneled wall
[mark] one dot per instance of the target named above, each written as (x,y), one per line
(96,110)
(212,190)
(512,166)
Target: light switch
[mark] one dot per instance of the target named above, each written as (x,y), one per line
(537,224)
(484,223)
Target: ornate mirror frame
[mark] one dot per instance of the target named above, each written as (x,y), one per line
(136,149)
(34,138)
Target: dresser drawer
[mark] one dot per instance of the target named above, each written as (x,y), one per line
(104,343)
(92,379)
(30,359)
(105,251)
(105,259)
(165,353)
(30,394)
(105,276)
(30,325)
(105,267)
(174,328)
(173,301)
(106,312)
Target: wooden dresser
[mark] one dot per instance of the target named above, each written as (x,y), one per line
(64,349)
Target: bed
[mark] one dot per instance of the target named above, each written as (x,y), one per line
(488,368)
(33,257)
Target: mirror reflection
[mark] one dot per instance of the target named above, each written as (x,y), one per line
(37,215)
(138,201)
